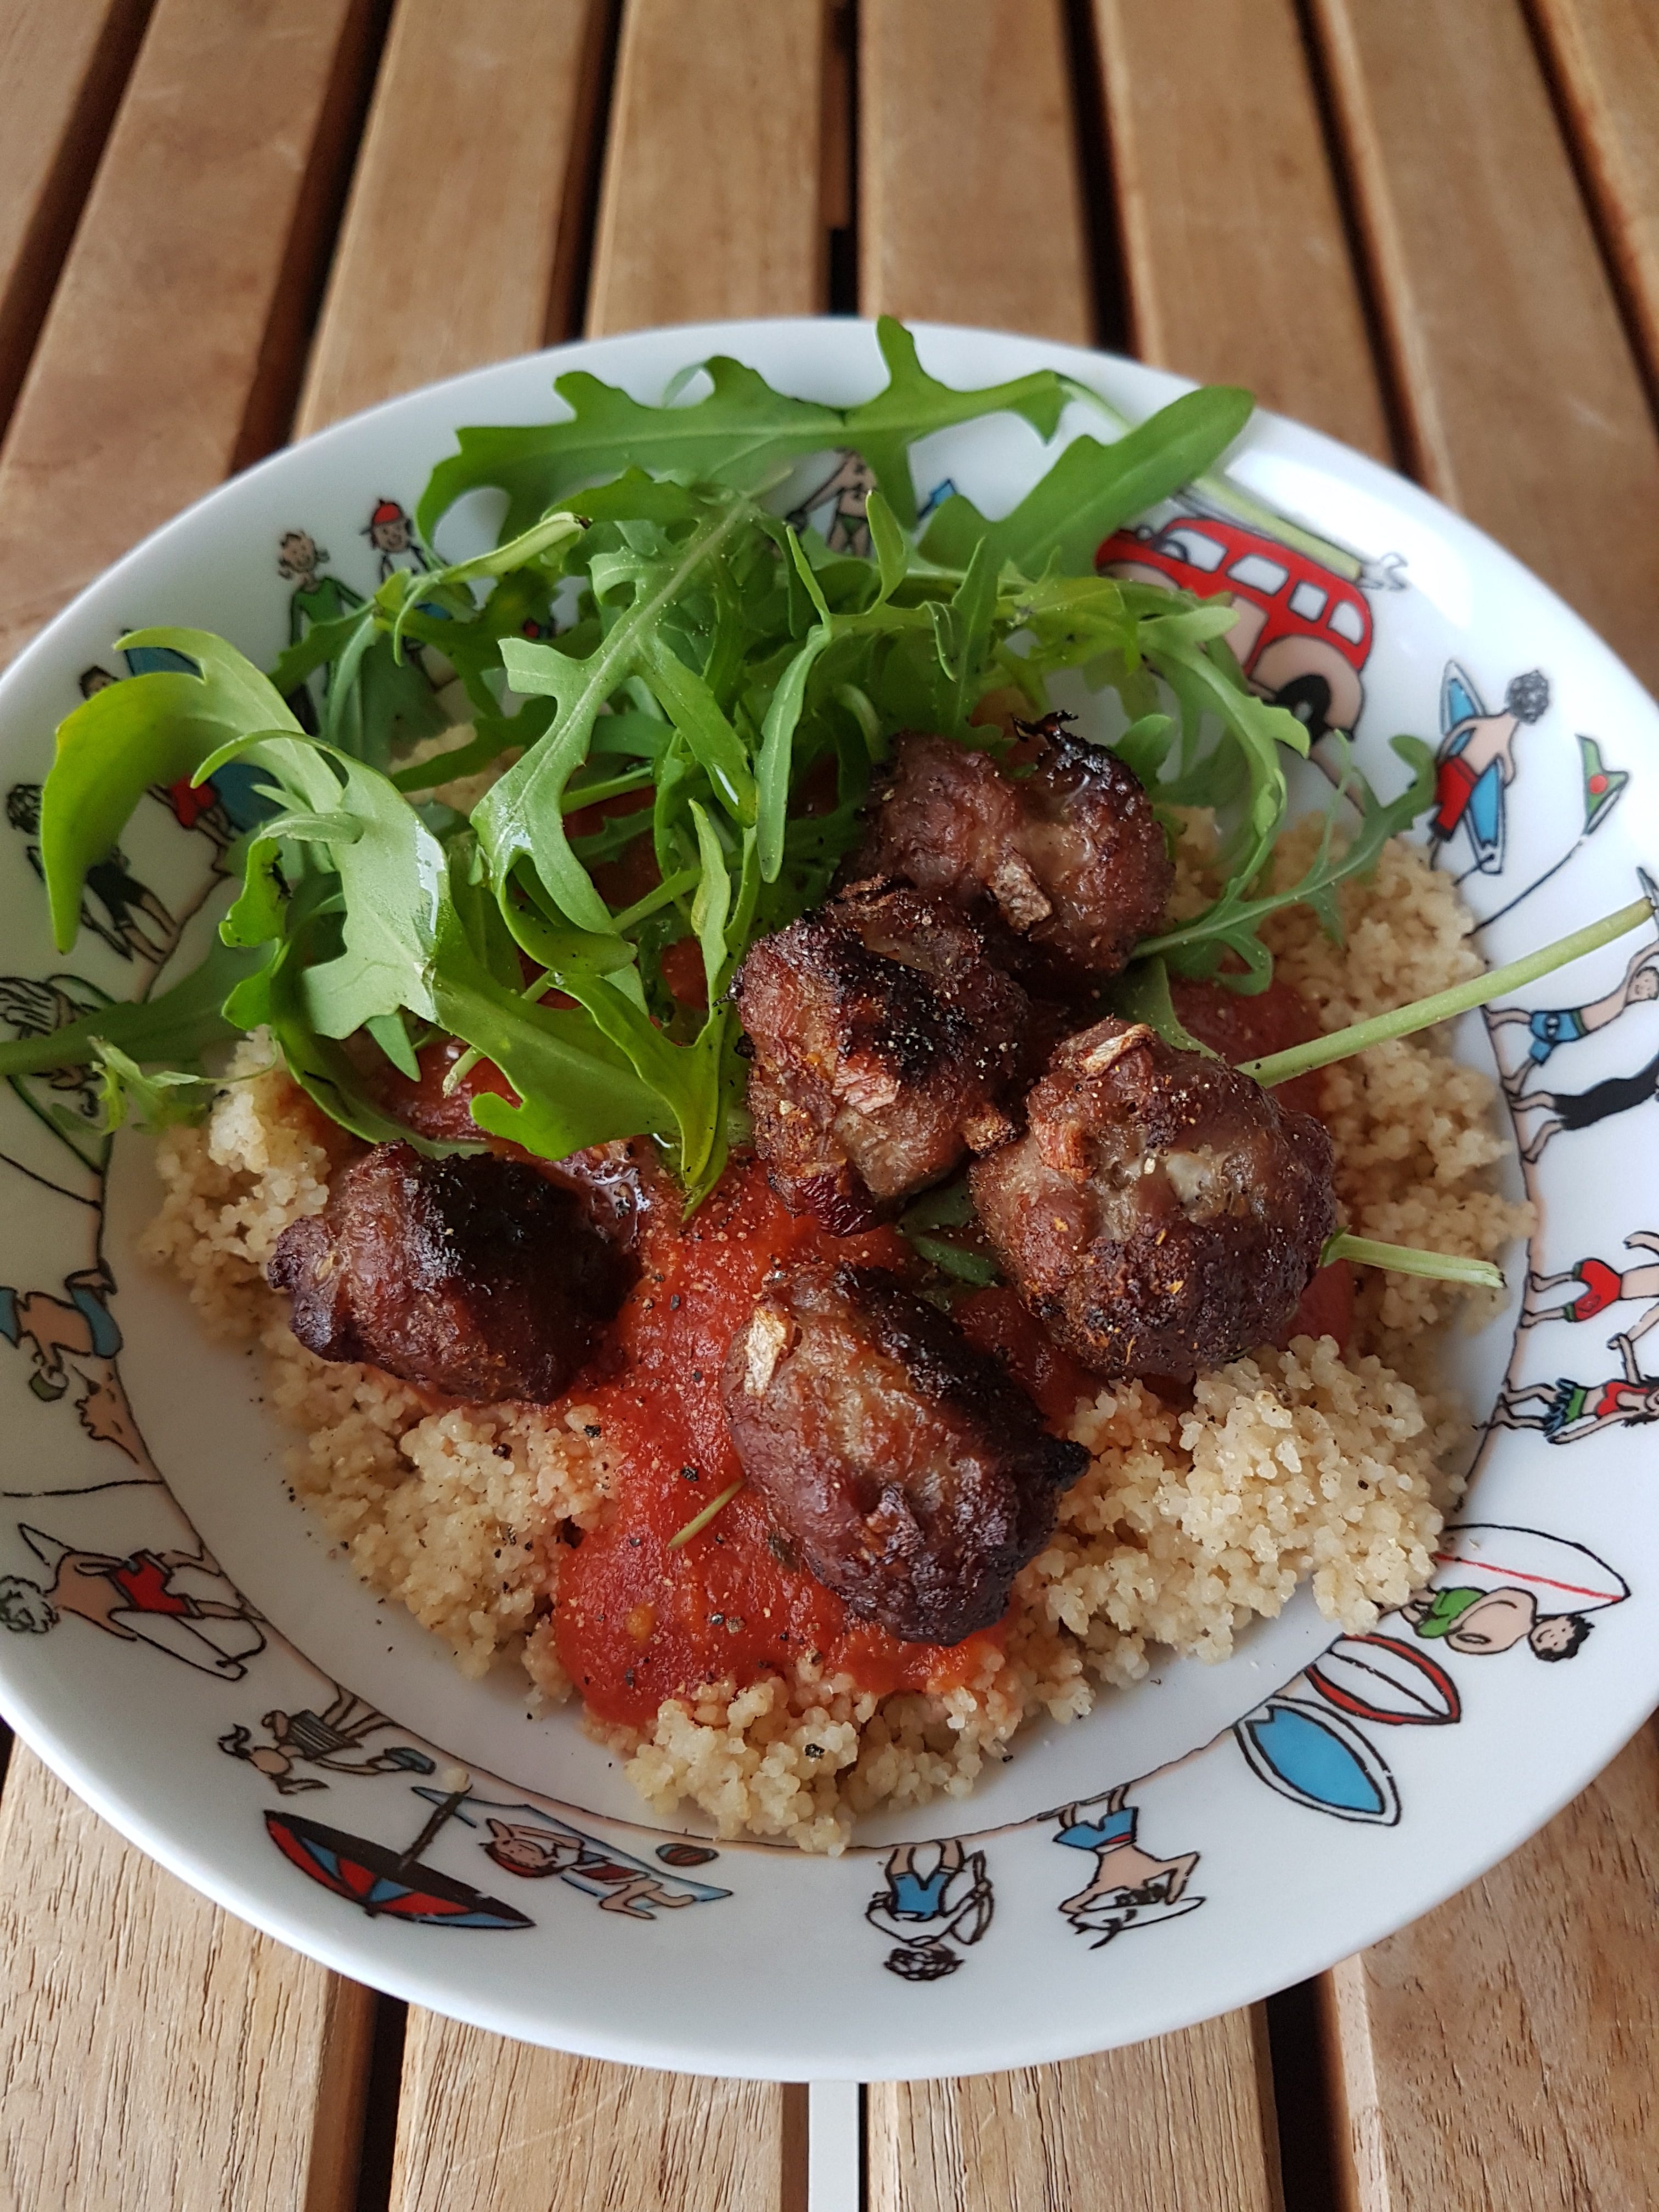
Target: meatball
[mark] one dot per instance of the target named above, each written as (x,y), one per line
(1068,856)
(473,1276)
(884,1042)
(1162,1213)
(914,1477)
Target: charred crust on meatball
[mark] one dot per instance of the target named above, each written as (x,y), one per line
(473,1276)
(1162,1214)
(913,1477)
(1060,853)
(884,1044)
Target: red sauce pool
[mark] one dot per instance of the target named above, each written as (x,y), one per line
(636,1623)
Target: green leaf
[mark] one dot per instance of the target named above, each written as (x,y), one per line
(1141,994)
(155,728)
(737,435)
(1093,489)
(697,715)
(155,1101)
(1232,923)
(891,547)
(519,816)
(776,752)
(962,630)
(174,1027)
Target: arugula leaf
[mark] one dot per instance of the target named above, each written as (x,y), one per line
(520,817)
(155,728)
(156,1101)
(1093,489)
(177,1026)
(1231,924)
(735,435)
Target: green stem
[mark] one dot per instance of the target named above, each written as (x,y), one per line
(1441,1006)
(1410,1260)
(695,1526)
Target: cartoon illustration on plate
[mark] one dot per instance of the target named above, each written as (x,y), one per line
(115,906)
(1571,1110)
(76,1339)
(176,1602)
(1129,1887)
(1549,1028)
(333,1739)
(34,1007)
(1499,1589)
(1596,1286)
(1567,1410)
(936,1896)
(397,1884)
(1316,1756)
(1305,631)
(524,1840)
(844,492)
(390,530)
(1475,764)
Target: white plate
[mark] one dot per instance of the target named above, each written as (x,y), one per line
(1331,1788)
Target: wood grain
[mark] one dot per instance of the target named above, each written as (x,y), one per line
(971,206)
(712,198)
(171,348)
(1518,391)
(61,73)
(1604,56)
(1184,2124)
(486,2121)
(1499,2055)
(157,2054)
(1236,265)
(461,239)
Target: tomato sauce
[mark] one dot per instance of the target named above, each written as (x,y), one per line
(635,1622)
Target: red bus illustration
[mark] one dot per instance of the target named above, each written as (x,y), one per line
(1304,633)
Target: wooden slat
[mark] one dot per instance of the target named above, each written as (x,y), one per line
(1500,2056)
(1184,2124)
(61,73)
(971,206)
(713,198)
(171,348)
(1235,260)
(157,2054)
(1605,58)
(461,239)
(487,2121)
(1516,389)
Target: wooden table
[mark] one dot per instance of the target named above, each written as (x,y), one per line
(1431,227)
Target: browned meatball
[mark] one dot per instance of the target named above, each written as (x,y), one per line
(884,1044)
(1068,855)
(473,1276)
(914,1477)
(1162,1213)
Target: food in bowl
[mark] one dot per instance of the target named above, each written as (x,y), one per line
(593,1158)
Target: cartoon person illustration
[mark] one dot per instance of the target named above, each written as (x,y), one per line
(536,1852)
(1129,1888)
(1476,762)
(936,1895)
(114,905)
(1595,1287)
(151,1597)
(34,1007)
(1567,1410)
(83,1330)
(327,1739)
(849,484)
(315,598)
(1583,1109)
(1549,1028)
(1497,1590)
(390,533)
